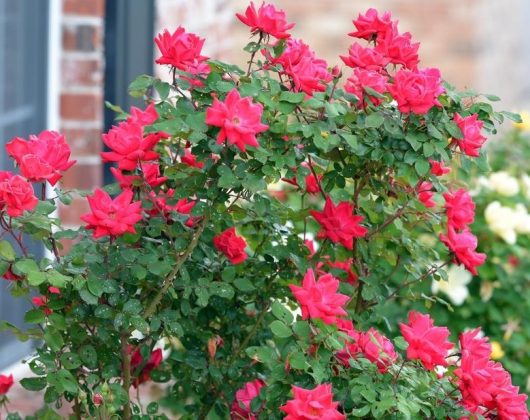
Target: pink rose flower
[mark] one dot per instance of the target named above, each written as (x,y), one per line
(181,49)
(6,382)
(463,246)
(191,160)
(239,120)
(426,343)
(319,299)
(365,58)
(459,208)
(241,405)
(378,349)
(267,20)
(144,117)
(231,245)
(399,49)
(472,139)
(439,168)
(339,224)
(112,217)
(362,79)
(416,91)
(372,26)
(351,346)
(425,194)
(41,158)
(315,404)
(16,194)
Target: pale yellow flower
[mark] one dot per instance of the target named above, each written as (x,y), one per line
(525,125)
(487,288)
(456,285)
(496,350)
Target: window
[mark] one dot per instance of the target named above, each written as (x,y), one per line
(23,82)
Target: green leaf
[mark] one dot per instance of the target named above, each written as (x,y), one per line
(88,355)
(281,312)
(6,251)
(221,289)
(292,97)
(301,328)
(34,384)
(422,167)
(374,120)
(279,329)
(70,360)
(34,316)
(244,284)
(25,266)
(53,338)
(453,130)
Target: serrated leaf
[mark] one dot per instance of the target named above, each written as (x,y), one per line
(279,329)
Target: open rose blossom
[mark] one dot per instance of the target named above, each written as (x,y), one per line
(307,72)
(364,58)
(239,119)
(137,361)
(459,208)
(416,91)
(267,20)
(112,217)
(377,349)
(130,146)
(5,383)
(472,139)
(41,158)
(16,194)
(144,117)
(425,194)
(241,405)
(463,246)
(399,49)
(312,404)
(339,224)
(439,168)
(231,245)
(319,299)
(485,385)
(362,79)
(372,26)
(426,342)
(180,49)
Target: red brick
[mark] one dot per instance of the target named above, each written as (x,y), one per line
(82,72)
(83,142)
(81,106)
(84,7)
(83,37)
(84,177)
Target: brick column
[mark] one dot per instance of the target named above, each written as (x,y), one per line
(81,97)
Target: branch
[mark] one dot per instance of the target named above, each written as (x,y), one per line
(126,358)
(168,281)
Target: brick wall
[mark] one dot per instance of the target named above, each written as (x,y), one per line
(81,96)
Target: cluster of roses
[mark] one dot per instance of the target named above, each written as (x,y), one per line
(41,158)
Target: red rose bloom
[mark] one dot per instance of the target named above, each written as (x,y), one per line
(365,58)
(5,383)
(41,158)
(346,267)
(377,349)
(486,387)
(314,404)
(181,49)
(241,406)
(42,302)
(144,117)
(463,246)
(439,168)
(311,182)
(372,26)
(472,139)
(339,224)
(137,360)
(319,299)
(191,160)
(129,146)
(427,343)
(416,91)
(239,120)
(459,208)
(399,48)
(150,175)
(425,194)
(16,194)
(231,245)
(307,72)
(267,20)
(112,217)
(362,79)
(351,347)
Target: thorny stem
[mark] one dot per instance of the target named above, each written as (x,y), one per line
(316,177)
(126,358)
(254,53)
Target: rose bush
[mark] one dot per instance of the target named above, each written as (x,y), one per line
(199,277)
